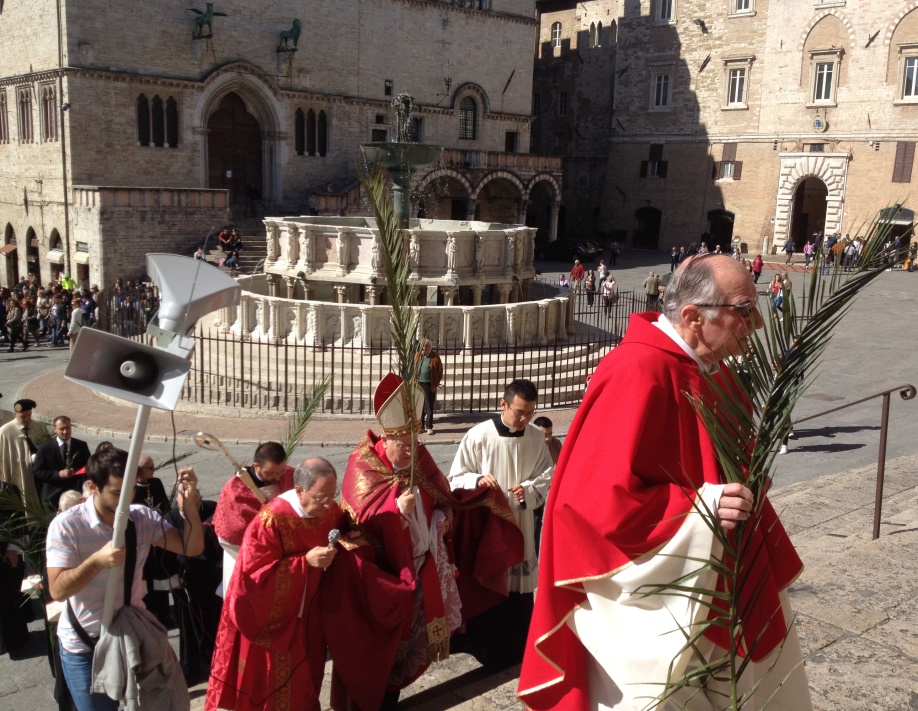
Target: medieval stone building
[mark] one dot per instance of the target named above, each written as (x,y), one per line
(756,120)
(137,127)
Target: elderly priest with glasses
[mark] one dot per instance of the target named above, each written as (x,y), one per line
(621,522)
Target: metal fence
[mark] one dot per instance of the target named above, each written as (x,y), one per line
(229,371)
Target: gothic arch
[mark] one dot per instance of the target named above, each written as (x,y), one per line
(831,169)
(496,175)
(258,94)
(544,178)
(894,23)
(471,89)
(822,15)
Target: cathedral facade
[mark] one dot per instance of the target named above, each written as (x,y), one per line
(130,128)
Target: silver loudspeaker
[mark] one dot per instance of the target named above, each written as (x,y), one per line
(189,289)
(126,369)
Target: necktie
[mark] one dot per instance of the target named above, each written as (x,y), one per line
(64,453)
(32,447)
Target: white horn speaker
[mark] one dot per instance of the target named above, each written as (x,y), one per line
(189,289)
(126,369)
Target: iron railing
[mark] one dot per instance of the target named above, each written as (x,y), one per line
(240,372)
(906,392)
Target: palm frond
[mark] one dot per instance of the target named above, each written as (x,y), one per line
(19,519)
(296,426)
(393,249)
(174,461)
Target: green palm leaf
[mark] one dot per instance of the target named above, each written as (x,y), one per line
(296,426)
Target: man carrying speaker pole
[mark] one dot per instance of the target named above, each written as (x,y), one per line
(244,495)
(270,648)
(79,557)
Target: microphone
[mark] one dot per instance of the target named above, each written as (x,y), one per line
(333,536)
(523,504)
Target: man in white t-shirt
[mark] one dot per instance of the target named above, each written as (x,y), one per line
(80,554)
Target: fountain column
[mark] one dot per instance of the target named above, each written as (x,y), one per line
(341,291)
(449,294)
(553,225)
(504,291)
(291,287)
(372,296)
(476,295)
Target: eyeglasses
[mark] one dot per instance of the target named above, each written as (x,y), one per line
(521,413)
(320,498)
(745,309)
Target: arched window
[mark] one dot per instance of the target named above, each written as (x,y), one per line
(157,122)
(556,34)
(598,35)
(311,132)
(613,29)
(592,34)
(468,118)
(322,134)
(172,137)
(299,132)
(143,121)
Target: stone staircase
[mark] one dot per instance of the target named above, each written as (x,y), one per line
(251,258)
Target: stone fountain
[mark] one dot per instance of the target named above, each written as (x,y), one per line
(324,284)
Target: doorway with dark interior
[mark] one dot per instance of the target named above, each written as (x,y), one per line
(809,211)
(234,151)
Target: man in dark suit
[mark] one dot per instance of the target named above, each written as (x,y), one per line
(58,460)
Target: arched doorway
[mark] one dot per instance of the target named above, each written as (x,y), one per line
(442,198)
(809,211)
(720,227)
(234,154)
(12,260)
(499,200)
(647,232)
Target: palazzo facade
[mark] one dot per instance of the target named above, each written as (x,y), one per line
(749,121)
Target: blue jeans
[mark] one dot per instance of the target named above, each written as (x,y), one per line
(78,674)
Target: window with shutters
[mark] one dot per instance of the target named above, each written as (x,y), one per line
(654,166)
(728,167)
(905,157)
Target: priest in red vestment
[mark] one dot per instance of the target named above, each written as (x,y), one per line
(244,495)
(419,561)
(270,648)
(620,515)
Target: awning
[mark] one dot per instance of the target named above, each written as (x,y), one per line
(7,248)
(55,256)
(897,215)
(81,257)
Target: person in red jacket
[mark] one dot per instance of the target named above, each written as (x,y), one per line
(576,276)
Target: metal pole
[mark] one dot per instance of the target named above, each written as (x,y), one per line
(123,511)
(881,468)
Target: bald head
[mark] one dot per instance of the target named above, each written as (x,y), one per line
(310,470)
(711,304)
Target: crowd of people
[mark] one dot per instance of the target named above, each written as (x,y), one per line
(396,564)
(52,315)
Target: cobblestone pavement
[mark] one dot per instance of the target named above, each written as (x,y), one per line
(858,599)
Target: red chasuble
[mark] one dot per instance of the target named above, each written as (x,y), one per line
(237,507)
(635,454)
(270,650)
(368,592)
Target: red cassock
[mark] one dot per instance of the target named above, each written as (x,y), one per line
(634,457)
(238,506)
(270,648)
(368,592)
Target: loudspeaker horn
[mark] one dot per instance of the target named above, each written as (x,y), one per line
(126,369)
(189,289)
